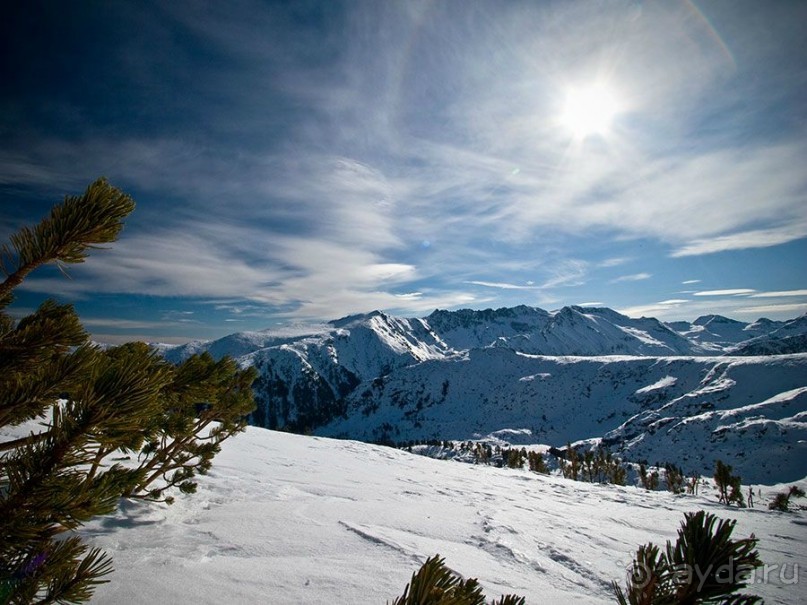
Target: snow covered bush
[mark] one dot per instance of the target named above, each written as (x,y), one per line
(781,501)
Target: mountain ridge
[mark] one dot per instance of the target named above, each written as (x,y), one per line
(577,373)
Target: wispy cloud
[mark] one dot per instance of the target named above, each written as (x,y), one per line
(503,285)
(759,238)
(691,281)
(121,324)
(783,308)
(661,309)
(632,277)
(567,273)
(729,292)
(333,174)
(779,294)
(614,262)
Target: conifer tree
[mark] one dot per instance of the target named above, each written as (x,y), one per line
(589,465)
(603,463)
(728,485)
(571,470)
(436,584)
(703,566)
(536,462)
(649,480)
(674,477)
(617,474)
(93,404)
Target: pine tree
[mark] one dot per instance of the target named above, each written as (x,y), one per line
(95,404)
(728,485)
(589,465)
(436,584)
(704,566)
(536,462)
(617,474)
(650,480)
(603,464)
(571,469)
(675,478)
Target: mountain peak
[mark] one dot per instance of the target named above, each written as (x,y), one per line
(355,319)
(705,320)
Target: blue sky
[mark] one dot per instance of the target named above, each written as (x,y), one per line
(298,162)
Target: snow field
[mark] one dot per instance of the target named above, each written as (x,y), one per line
(290,519)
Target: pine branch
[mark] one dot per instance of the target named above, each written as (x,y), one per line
(79,223)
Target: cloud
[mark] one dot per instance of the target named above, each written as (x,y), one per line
(503,286)
(121,324)
(630,278)
(760,238)
(591,304)
(329,156)
(659,309)
(732,306)
(730,292)
(691,281)
(118,339)
(613,262)
(785,308)
(566,273)
(779,294)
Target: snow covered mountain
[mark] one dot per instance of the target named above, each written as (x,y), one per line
(568,331)
(684,410)
(717,332)
(649,390)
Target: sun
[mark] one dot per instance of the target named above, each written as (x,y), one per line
(589,111)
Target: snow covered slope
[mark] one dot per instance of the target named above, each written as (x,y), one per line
(643,405)
(286,519)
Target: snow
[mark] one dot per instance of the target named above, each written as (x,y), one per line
(579,398)
(288,519)
(662,383)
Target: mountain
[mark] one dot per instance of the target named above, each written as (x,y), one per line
(717,333)
(572,374)
(781,339)
(288,519)
(568,331)
(643,406)
(772,345)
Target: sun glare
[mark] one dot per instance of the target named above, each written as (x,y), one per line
(589,111)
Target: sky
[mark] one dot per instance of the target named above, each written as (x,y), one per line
(296,162)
